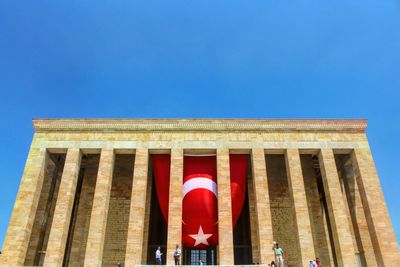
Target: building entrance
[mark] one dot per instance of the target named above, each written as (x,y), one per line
(200,256)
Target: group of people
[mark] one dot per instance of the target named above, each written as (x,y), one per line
(278,252)
(315,263)
(177,255)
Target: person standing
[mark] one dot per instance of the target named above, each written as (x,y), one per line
(177,255)
(278,251)
(318,262)
(158,256)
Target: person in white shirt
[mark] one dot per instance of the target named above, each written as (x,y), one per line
(177,255)
(158,256)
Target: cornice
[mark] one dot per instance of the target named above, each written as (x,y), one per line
(198,125)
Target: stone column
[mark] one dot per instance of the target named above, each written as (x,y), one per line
(134,243)
(225,231)
(344,247)
(98,218)
(20,227)
(146,230)
(62,213)
(298,193)
(255,250)
(375,209)
(263,208)
(175,204)
(355,211)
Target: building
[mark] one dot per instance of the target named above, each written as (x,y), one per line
(93,193)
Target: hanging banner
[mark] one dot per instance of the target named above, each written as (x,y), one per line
(161,168)
(199,210)
(238,173)
(199,207)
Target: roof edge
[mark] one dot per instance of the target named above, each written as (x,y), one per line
(201,125)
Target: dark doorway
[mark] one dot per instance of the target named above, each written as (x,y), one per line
(157,229)
(242,236)
(200,256)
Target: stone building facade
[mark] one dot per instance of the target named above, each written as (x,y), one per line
(87,195)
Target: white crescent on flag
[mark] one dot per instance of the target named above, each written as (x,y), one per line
(199,182)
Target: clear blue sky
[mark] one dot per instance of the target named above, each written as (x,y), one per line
(226,59)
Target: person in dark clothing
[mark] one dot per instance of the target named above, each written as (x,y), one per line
(177,255)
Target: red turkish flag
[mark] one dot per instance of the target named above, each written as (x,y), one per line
(161,168)
(238,172)
(199,214)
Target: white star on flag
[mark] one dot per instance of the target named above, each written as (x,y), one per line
(201,238)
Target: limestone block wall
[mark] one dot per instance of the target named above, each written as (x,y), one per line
(282,210)
(118,214)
